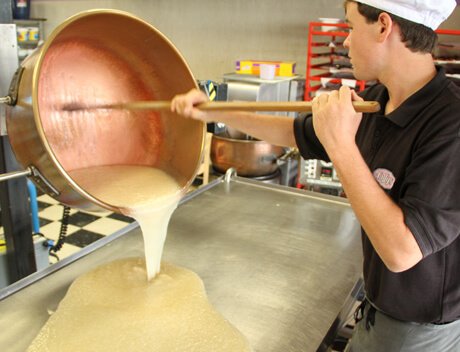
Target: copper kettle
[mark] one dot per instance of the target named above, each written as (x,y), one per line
(94,57)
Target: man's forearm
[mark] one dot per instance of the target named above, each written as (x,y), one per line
(380,217)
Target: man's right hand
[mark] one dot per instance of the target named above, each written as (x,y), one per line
(184,104)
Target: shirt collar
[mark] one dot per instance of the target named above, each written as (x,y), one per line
(410,108)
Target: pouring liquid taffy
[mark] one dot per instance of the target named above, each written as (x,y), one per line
(114,307)
(147,194)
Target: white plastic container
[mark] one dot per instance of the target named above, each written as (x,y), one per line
(23,34)
(267,71)
(329,20)
(33,34)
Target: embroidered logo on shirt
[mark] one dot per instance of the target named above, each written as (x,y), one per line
(385,178)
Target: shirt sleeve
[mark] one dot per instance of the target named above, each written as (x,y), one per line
(431,194)
(309,145)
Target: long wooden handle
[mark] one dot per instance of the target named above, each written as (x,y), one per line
(297,106)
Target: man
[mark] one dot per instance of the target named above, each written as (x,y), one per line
(399,168)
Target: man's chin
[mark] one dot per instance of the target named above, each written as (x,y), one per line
(358,75)
(362,76)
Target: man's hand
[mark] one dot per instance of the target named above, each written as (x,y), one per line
(335,120)
(184,104)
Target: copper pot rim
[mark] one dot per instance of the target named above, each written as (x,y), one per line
(243,141)
(35,106)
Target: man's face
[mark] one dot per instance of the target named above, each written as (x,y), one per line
(361,45)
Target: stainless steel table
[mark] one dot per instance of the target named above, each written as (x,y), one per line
(279,263)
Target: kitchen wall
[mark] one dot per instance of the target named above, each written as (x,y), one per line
(213,34)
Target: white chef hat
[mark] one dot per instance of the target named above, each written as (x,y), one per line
(430,13)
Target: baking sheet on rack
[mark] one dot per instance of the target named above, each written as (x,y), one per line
(277,262)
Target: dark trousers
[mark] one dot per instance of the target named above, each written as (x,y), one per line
(378,332)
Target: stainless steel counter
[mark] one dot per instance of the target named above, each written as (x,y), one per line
(279,263)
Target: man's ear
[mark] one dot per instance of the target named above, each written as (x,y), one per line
(385,26)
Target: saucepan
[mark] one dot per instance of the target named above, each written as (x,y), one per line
(249,157)
(100,57)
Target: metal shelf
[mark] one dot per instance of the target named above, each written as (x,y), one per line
(323,183)
(447,62)
(28,42)
(339,30)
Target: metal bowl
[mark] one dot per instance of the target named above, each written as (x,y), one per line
(249,157)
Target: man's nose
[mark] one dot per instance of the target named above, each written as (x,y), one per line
(346,42)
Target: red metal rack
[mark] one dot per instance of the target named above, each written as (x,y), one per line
(319,38)
(448,31)
(448,53)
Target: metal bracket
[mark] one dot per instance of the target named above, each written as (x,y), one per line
(13,91)
(268,159)
(41,181)
(229,174)
(14,86)
(8,63)
(5,100)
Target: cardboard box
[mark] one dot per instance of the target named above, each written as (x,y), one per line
(252,67)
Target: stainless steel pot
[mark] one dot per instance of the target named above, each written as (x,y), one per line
(249,157)
(99,57)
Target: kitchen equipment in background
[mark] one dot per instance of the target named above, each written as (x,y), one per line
(252,88)
(8,65)
(81,62)
(254,159)
(23,34)
(328,24)
(21,9)
(30,35)
(289,167)
(238,87)
(447,53)
(41,258)
(250,158)
(285,174)
(319,176)
(327,59)
(216,91)
(252,67)
(273,179)
(16,220)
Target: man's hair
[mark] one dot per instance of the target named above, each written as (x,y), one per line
(416,36)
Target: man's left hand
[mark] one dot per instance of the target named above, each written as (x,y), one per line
(335,120)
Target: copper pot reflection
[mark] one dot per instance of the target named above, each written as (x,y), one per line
(102,57)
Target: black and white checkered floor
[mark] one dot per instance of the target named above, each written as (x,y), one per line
(83,229)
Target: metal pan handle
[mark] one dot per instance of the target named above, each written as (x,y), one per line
(12,97)
(33,172)
(15,174)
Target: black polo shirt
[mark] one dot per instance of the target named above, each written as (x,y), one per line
(414,154)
